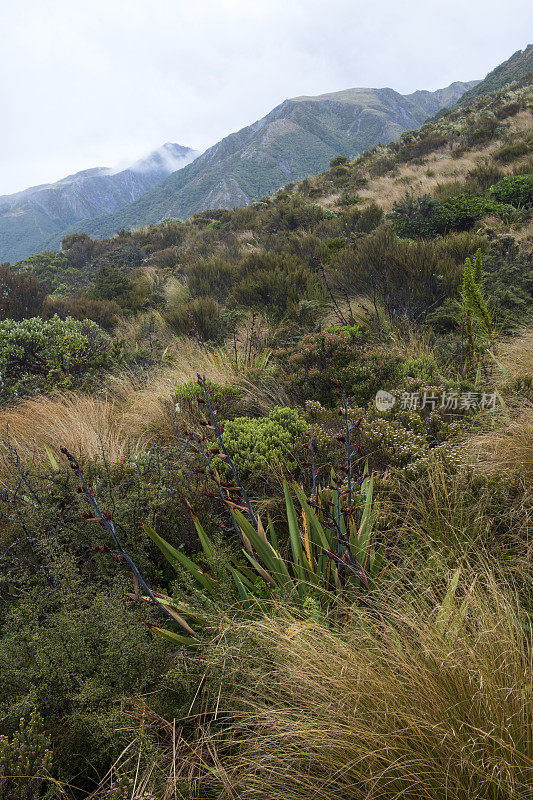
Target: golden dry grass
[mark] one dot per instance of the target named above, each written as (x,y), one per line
(433,701)
(136,409)
(87,426)
(516,355)
(508,448)
(133,412)
(442,168)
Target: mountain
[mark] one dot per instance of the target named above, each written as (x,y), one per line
(29,218)
(296,139)
(516,68)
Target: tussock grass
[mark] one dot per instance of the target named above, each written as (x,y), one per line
(516,355)
(135,410)
(508,448)
(88,426)
(433,702)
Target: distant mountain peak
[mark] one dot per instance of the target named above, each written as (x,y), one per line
(28,219)
(169,157)
(298,138)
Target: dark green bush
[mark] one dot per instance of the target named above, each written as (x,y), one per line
(339,161)
(461,212)
(310,367)
(362,220)
(211,278)
(425,217)
(113,285)
(275,284)
(414,216)
(57,352)
(72,645)
(516,190)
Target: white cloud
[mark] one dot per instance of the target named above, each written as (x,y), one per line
(95,83)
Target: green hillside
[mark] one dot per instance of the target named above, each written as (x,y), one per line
(266,485)
(519,66)
(296,139)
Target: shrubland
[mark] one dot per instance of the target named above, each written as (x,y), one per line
(265,488)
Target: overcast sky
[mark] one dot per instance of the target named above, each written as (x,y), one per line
(98,82)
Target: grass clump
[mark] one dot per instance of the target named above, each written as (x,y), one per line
(434,702)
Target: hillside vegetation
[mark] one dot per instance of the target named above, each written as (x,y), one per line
(266,488)
(296,139)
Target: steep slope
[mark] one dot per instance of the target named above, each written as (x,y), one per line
(296,139)
(28,218)
(519,66)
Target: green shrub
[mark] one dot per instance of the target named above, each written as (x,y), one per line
(25,760)
(58,352)
(310,367)
(339,161)
(259,445)
(425,217)
(275,284)
(224,397)
(481,178)
(515,190)
(404,279)
(72,646)
(461,212)
(413,216)
(510,152)
(362,220)
(482,129)
(112,284)
(211,278)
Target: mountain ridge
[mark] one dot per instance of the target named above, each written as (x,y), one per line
(296,139)
(29,218)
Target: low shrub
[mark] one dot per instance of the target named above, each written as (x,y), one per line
(425,217)
(403,278)
(20,295)
(258,446)
(516,190)
(201,318)
(510,152)
(104,312)
(49,353)
(211,278)
(461,212)
(310,368)
(25,760)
